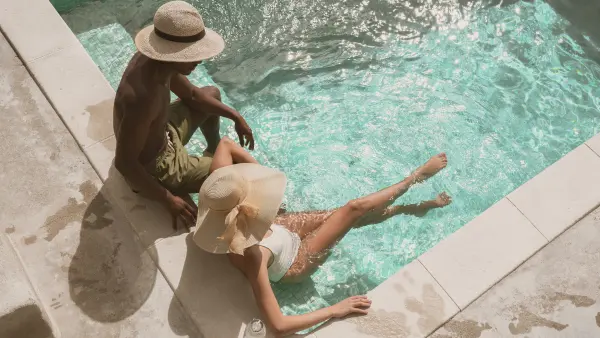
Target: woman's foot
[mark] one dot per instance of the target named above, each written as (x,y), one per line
(440,201)
(431,167)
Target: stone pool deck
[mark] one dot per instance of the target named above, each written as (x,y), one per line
(556,293)
(69,255)
(90,258)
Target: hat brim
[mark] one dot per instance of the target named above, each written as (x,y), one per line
(157,48)
(266,191)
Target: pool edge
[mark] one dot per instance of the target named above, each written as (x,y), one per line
(458,269)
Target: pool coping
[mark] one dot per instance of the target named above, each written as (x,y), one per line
(421,296)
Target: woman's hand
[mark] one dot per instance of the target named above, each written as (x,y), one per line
(355,304)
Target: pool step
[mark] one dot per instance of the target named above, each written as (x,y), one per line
(20,312)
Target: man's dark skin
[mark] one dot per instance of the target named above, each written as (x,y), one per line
(141,112)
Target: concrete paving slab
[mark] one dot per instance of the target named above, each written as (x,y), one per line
(561,194)
(35,34)
(217,296)
(483,251)
(97,277)
(149,218)
(408,304)
(21,314)
(79,92)
(14,284)
(101,156)
(8,59)
(554,294)
(594,144)
(42,166)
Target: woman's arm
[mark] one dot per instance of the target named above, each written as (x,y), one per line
(285,325)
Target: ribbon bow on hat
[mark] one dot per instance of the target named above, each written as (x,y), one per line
(236,231)
(236,206)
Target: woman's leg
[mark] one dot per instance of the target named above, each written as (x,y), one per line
(303,223)
(228,152)
(418,210)
(335,226)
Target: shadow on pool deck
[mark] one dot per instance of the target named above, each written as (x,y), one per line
(27,321)
(113,273)
(110,276)
(217,296)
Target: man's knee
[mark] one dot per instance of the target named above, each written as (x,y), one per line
(206,94)
(213,92)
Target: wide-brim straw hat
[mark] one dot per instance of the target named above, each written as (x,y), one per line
(178,35)
(236,207)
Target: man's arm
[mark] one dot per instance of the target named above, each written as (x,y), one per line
(132,137)
(202,100)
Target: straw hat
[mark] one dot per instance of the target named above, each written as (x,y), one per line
(178,35)
(236,206)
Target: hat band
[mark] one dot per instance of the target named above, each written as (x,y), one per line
(175,38)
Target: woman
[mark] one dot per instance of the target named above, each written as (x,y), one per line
(237,216)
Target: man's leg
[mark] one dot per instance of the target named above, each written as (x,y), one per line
(209,124)
(210,129)
(191,171)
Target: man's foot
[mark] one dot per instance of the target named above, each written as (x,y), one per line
(431,167)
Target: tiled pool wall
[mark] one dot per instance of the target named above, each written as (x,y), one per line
(416,300)
(63,6)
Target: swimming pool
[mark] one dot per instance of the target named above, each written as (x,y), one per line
(349,96)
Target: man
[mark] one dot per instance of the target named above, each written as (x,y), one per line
(151,132)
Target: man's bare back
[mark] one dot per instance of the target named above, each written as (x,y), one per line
(149,101)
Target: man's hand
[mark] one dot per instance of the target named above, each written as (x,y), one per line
(181,209)
(208,100)
(244,133)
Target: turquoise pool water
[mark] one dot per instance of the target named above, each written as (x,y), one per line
(350,96)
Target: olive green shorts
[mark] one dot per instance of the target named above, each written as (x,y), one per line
(177,170)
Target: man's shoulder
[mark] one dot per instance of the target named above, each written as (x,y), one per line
(130,96)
